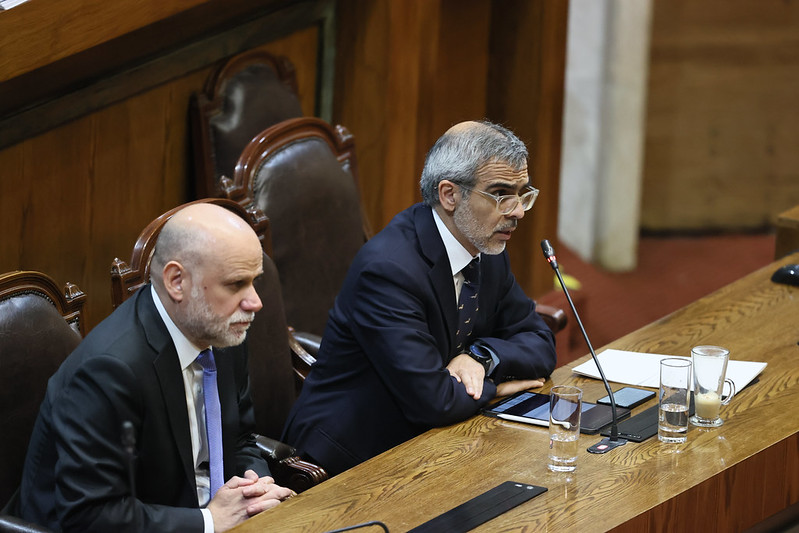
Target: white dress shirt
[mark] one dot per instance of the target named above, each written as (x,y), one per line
(193,388)
(459,258)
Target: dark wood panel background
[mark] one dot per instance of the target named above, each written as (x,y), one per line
(75,196)
(407,71)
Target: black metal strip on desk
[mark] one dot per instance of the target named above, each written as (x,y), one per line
(481,509)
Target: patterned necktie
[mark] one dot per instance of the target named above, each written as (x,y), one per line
(213,419)
(467,303)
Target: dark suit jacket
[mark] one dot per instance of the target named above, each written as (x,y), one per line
(76,472)
(381,377)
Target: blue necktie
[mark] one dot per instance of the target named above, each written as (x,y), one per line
(213,420)
(467,303)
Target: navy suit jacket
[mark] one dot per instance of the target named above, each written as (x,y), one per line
(76,474)
(380,376)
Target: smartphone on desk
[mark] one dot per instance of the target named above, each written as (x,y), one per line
(628,397)
(533,408)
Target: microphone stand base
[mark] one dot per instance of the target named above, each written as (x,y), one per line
(606,444)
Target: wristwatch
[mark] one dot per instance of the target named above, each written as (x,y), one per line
(482,354)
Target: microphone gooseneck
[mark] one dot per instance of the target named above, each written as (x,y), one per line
(360,526)
(549,254)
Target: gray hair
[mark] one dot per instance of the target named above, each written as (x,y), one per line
(177,242)
(458,155)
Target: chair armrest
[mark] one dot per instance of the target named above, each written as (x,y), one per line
(273,449)
(12,524)
(287,469)
(304,347)
(555,318)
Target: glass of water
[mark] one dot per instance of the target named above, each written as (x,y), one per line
(674,399)
(565,407)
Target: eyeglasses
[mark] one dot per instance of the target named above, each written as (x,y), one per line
(508,202)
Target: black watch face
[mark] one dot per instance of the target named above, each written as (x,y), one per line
(479,355)
(479,352)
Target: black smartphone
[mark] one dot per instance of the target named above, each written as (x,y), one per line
(628,397)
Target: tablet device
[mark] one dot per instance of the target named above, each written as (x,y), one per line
(533,408)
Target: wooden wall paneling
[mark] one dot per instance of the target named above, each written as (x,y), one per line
(526,80)
(722,117)
(44,214)
(412,38)
(66,28)
(302,48)
(104,75)
(75,197)
(360,92)
(406,71)
(455,80)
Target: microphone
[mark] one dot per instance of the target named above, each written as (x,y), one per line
(614,441)
(129,444)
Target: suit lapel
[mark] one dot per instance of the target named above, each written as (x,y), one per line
(170,378)
(440,274)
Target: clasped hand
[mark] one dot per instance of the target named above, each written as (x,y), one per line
(241,498)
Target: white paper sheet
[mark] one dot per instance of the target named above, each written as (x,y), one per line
(643,369)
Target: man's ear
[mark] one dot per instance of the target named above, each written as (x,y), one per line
(447,195)
(174,276)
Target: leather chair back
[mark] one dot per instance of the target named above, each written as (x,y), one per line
(39,327)
(243,96)
(302,174)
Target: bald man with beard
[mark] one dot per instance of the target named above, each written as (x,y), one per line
(139,366)
(392,363)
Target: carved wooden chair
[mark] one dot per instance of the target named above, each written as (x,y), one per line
(269,339)
(244,95)
(302,173)
(40,325)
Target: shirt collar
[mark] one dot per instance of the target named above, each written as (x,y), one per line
(459,256)
(187,351)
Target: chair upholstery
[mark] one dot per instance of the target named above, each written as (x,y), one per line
(268,341)
(554,317)
(302,174)
(39,326)
(244,95)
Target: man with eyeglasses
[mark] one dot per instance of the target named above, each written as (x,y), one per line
(430,324)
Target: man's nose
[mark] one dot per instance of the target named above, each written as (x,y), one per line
(251,302)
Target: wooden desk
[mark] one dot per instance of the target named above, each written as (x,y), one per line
(723,479)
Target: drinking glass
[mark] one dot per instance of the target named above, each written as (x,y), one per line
(710,368)
(565,407)
(673,400)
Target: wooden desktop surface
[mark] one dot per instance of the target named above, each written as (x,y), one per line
(723,479)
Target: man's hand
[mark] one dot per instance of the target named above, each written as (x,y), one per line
(241,498)
(512,387)
(264,493)
(469,372)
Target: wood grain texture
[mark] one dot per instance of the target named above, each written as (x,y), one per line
(721,114)
(76,197)
(407,71)
(526,84)
(724,479)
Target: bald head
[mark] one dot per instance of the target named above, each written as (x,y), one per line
(200,233)
(463,150)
